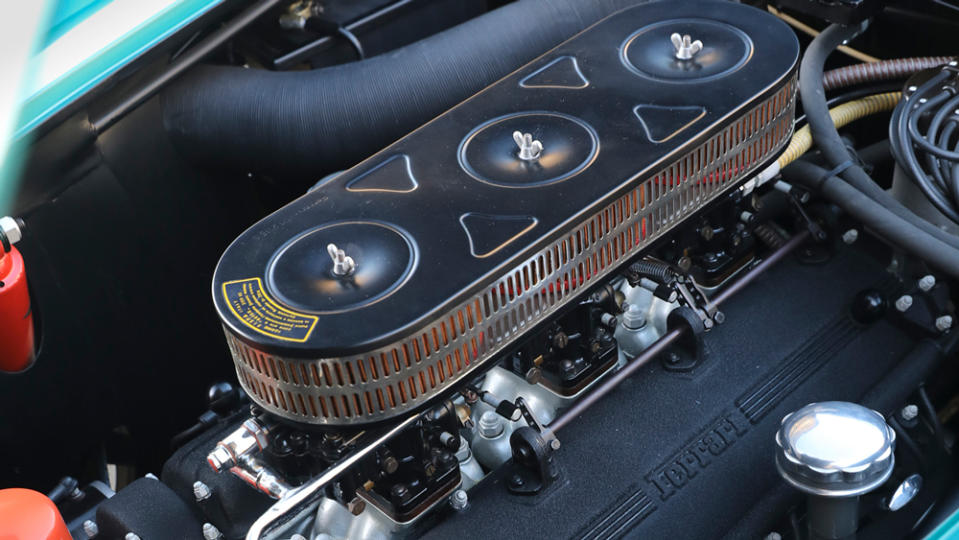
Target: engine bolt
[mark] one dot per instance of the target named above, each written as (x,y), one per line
(131,536)
(390,464)
(201,491)
(490,425)
(90,528)
(944,323)
(904,302)
(356,506)
(609,320)
(449,440)
(909,412)
(927,283)
(399,492)
(634,318)
(210,532)
(459,500)
(850,236)
(516,481)
(567,369)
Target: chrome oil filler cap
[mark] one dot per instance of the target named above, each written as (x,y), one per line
(835,449)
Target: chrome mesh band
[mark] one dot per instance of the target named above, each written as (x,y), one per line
(391,380)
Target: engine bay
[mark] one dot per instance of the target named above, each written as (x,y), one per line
(319,270)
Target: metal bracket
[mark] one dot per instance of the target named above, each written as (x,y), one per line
(533,447)
(670,285)
(814,229)
(691,296)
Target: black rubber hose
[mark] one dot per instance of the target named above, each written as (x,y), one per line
(875,153)
(894,389)
(829,142)
(304,123)
(874,215)
(65,487)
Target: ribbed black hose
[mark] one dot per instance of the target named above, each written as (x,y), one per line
(829,142)
(874,215)
(885,70)
(303,123)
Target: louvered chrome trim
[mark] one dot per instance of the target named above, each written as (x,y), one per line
(399,377)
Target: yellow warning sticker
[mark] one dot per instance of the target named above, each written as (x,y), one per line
(251,305)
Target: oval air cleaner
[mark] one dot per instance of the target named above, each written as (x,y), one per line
(381,289)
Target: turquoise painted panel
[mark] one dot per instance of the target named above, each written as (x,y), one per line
(108,60)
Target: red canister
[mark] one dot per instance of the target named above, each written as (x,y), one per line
(16,317)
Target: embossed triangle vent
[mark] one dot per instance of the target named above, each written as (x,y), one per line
(663,122)
(392,176)
(488,233)
(560,73)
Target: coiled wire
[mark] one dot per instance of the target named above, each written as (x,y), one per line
(930,154)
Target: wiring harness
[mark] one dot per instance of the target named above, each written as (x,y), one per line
(924,137)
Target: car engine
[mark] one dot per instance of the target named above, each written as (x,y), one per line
(329,269)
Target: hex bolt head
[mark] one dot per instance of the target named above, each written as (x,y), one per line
(356,506)
(390,465)
(399,492)
(220,459)
(850,236)
(201,491)
(944,323)
(11,229)
(90,528)
(909,412)
(555,444)
(491,425)
(904,302)
(459,500)
(926,283)
(131,536)
(210,532)
(634,318)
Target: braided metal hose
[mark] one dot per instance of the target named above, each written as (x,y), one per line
(883,70)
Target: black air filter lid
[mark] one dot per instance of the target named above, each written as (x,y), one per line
(454,208)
